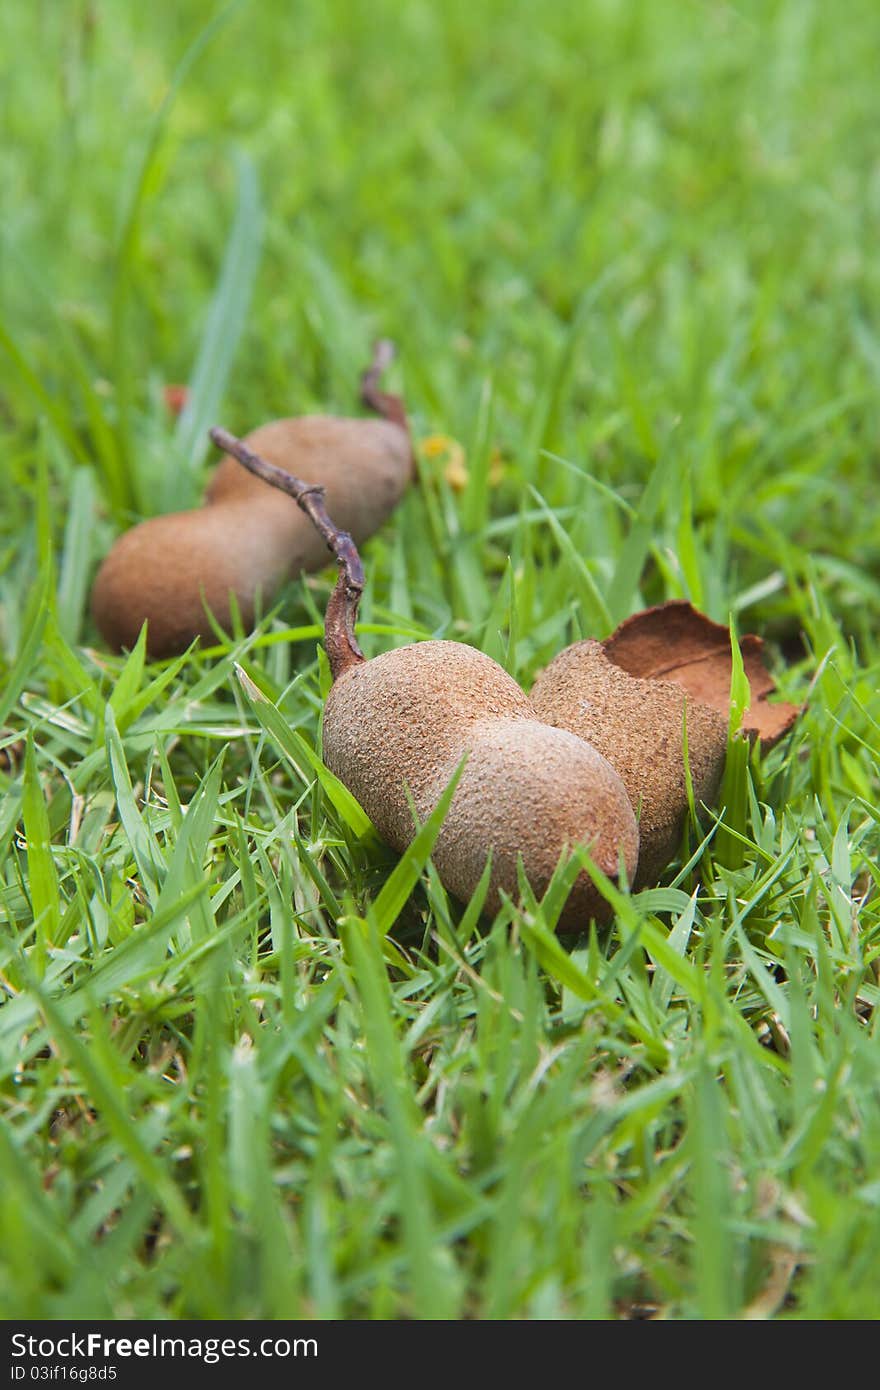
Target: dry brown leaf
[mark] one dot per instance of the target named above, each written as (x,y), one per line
(674,642)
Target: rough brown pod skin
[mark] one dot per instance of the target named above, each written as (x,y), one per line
(637,725)
(401,723)
(248,540)
(627,696)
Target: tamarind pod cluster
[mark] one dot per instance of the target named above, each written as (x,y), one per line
(615,743)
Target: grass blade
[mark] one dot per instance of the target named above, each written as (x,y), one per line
(300,753)
(45,898)
(224,323)
(390,900)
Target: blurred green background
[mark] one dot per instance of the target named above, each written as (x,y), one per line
(627,227)
(629,250)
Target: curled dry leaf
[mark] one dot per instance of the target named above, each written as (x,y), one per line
(674,642)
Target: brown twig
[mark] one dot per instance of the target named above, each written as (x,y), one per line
(339,639)
(390,407)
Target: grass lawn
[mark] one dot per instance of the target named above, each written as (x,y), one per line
(252,1065)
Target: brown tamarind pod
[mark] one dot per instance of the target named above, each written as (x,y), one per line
(629,697)
(246,541)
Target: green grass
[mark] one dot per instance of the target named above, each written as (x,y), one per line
(252,1065)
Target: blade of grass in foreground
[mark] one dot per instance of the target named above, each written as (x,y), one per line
(389,903)
(139,960)
(45,900)
(560,966)
(185,864)
(110,1104)
(433,1291)
(73,580)
(255,1195)
(734,797)
(298,751)
(715,1280)
(129,679)
(33,626)
(41,1236)
(146,851)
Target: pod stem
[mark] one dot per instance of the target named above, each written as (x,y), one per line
(389,406)
(342,607)
(339,639)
